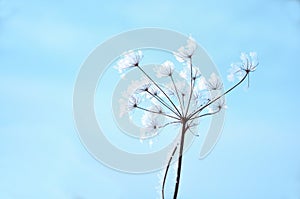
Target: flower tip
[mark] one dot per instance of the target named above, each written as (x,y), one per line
(230,77)
(150,143)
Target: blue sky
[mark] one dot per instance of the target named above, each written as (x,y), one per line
(42,45)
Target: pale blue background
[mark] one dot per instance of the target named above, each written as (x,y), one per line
(42,45)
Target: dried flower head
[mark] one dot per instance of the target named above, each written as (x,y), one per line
(248,64)
(177,101)
(185,73)
(185,53)
(130,59)
(214,82)
(218,105)
(144,88)
(152,123)
(133,102)
(165,70)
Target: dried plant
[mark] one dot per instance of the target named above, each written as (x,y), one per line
(182,101)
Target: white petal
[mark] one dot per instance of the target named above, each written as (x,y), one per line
(230,77)
(150,143)
(183,74)
(202,83)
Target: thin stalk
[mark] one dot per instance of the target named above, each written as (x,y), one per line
(196,135)
(178,113)
(182,97)
(183,130)
(174,122)
(166,172)
(189,102)
(189,126)
(203,104)
(192,88)
(177,94)
(206,114)
(200,109)
(162,102)
(248,81)
(144,109)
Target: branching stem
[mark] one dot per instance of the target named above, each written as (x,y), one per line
(160,113)
(206,114)
(178,113)
(192,87)
(177,94)
(212,101)
(162,102)
(178,173)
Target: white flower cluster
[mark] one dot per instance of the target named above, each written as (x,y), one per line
(248,64)
(130,59)
(183,95)
(185,53)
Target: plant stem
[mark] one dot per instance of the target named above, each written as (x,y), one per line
(166,172)
(162,102)
(192,88)
(178,112)
(174,122)
(177,94)
(206,114)
(144,109)
(189,102)
(200,109)
(180,159)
